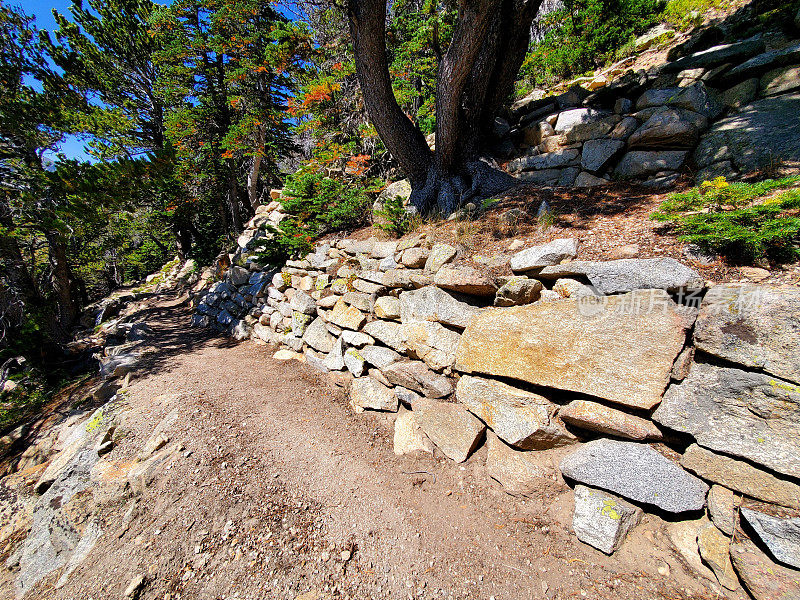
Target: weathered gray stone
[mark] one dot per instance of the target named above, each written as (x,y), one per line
(387,263)
(365,392)
(238,275)
(357,246)
(757,326)
(568,176)
(440,255)
(639,163)
(518,290)
(407,279)
(383,249)
(781,536)
(682,364)
(359,300)
(64,526)
(763,578)
(549,160)
(602,520)
(665,129)
(568,119)
(546,177)
(717,55)
(589,131)
(302,302)
(628,274)
(700,99)
(356,338)
(346,316)
(316,335)
(760,133)
(587,180)
(741,94)
(316,360)
(328,301)
(721,508)
(415,375)
(390,333)
(741,413)
(741,477)
(450,426)
(431,342)
(682,534)
(594,416)
(689,116)
(408,435)
(354,362)
(431,303)
(571,288)
(465,280)
(656,98)
(405,395)
(784,79)
(521,472)
(715,551)
(624,128)
(379,356)
(415,258)
(522,419)
(551,253)
(122,364)
(764,62)
(387,307)
(366,287)
(598,154)
(555,344)
(335,359)
(636,472)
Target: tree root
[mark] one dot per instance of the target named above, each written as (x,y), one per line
(446,194)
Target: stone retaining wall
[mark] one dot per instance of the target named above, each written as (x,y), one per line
(726,110)
(651,392)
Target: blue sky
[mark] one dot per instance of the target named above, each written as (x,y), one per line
(42,10)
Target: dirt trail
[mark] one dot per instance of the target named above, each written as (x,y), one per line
(276,489)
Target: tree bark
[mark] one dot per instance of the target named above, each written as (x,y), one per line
(64,288)
(13,271)
(402,138)
(476,75)
(255,168)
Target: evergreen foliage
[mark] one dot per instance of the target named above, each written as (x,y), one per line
(736,220)
(314,205)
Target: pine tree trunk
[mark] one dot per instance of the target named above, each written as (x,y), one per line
(476,75)
(66,308)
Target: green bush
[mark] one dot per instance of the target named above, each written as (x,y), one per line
(733,220)
(398,221)
(314,205)
(585,35)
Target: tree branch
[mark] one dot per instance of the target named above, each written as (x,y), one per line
(402,138)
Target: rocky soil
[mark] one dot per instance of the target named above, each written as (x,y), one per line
(234,475)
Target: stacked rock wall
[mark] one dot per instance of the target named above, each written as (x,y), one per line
(726,110)
(655,394)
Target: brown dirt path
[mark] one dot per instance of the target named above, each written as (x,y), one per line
(276,489)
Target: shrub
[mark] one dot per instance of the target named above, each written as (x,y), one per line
(734,220)
(585,35)
(314,205)
(398,221)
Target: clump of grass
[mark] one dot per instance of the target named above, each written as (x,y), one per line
(685,14)
(465,233)
(736,220)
